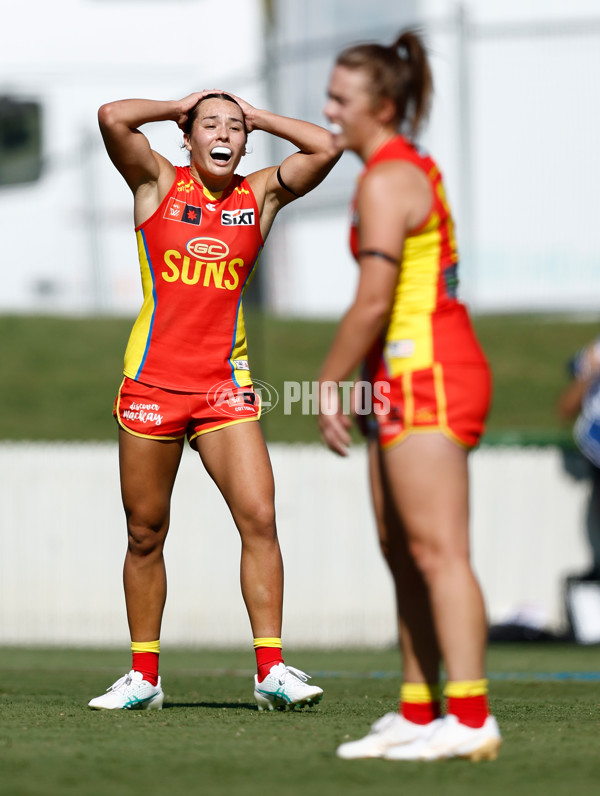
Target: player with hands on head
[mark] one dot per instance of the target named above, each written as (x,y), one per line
(200,230)
(431,391)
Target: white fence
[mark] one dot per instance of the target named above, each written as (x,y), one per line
(63,542)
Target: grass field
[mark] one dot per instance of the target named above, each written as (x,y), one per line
(210,739)
(59,375)
(58,381)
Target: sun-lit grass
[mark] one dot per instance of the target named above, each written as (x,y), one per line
(210,739)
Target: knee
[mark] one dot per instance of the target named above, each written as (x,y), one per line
(145,534)
(257,522)
(435,559)
(428,557)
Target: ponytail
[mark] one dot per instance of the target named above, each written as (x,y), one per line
(399,72)
(409,48)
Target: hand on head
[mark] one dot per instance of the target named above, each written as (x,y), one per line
(247,109)
(189,103)
(185,106)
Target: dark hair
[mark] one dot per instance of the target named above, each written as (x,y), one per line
(191,117)
(400,72)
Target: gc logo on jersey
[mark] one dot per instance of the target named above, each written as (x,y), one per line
(237,218)
(207,249)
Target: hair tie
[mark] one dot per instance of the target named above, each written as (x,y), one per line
(402,51)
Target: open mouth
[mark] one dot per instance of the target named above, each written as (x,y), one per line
(335,128)
(222,154)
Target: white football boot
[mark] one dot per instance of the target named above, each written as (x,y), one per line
(388,731)
(284,687)
(449,738)
(130,692)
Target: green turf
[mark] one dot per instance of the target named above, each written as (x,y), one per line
(529,356)
(59,376)
(210,739)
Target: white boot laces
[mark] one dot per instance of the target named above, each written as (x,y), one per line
(298,673)
(121,682)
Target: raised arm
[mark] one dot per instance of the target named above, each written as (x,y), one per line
(305,169)
(299,173)
(146,172)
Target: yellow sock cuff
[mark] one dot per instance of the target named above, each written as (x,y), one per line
(420,693)
(466,688)
(145,646)
(267,642)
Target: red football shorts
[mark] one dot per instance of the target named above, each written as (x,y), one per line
(452,399)
(156,413)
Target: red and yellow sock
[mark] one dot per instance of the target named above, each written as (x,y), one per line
(145,659)
(268,654)
(468,701)
(420,702)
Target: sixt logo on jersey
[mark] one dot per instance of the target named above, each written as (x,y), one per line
(237,218)
(176,210)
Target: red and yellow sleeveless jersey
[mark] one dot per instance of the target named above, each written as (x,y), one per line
(197,255)
(427,323)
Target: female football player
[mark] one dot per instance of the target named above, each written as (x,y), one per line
(421,354)
(200,230)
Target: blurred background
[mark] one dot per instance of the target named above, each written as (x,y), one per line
(513,128)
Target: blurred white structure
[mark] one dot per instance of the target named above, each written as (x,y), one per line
(63,543)
(513,127)
(67,239)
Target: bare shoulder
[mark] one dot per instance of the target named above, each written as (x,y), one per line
(150,193)
(394,175)
(397,184)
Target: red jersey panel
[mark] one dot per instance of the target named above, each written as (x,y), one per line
(197,255)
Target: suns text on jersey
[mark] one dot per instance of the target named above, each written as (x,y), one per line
(224,274)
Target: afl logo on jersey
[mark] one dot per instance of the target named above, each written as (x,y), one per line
(207,249)
(235,218)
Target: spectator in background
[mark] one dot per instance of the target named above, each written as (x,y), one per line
(580,400)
